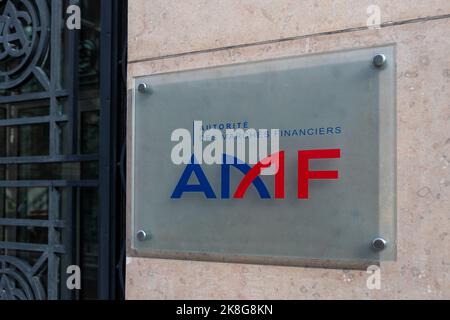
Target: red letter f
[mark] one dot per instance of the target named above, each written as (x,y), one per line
(304,175)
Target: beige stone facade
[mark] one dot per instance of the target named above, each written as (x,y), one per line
(173,35)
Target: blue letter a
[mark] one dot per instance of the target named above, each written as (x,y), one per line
(203,185)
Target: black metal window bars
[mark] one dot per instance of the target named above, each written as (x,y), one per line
(19,280)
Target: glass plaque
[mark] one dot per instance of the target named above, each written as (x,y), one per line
(330,194)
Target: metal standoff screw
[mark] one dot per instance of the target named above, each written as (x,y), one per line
(379,244)
(144,88)
(379,60)
(142,235)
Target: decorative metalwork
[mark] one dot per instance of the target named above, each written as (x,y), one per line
(43,62)
(23,41)
(18,280)
(30,45)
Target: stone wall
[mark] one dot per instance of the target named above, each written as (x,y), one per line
(173,35)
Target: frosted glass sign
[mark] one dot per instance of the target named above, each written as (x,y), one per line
(280,161)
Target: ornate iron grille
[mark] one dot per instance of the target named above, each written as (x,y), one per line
(38,64)
(67,161)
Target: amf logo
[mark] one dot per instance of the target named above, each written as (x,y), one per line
(227,150)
